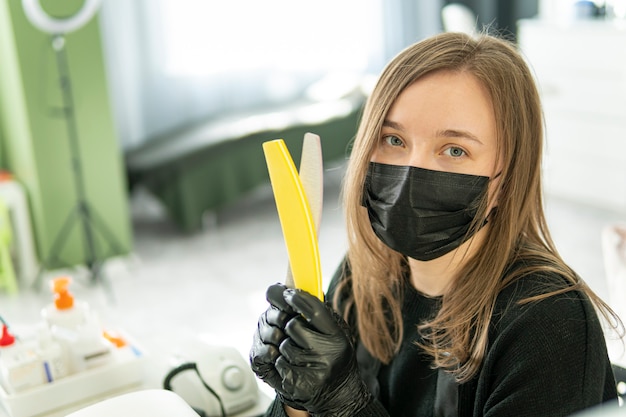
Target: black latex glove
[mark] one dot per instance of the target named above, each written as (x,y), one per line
(269,335)
(317,362)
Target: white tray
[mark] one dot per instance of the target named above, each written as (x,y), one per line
(124,372)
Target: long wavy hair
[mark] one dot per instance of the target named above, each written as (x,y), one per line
(457,336)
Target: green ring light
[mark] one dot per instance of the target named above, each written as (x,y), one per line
(43,21)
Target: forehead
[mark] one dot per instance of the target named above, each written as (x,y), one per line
(446,90)
(446,99)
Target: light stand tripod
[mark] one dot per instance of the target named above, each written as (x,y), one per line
(82,212)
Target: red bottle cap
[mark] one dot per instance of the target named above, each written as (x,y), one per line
(7,339)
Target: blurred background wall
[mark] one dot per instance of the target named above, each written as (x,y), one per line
(148,76)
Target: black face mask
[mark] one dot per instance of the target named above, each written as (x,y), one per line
(420,213)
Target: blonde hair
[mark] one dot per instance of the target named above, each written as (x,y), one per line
(457,336)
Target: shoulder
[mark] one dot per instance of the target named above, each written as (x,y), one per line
(540,292)
(541,343)
(545,308)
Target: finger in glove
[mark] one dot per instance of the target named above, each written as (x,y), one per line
(306,345)
(262,360)
(272,324)
(318,314)
(274,296)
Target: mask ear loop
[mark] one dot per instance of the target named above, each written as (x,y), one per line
(476,226)
(494,209)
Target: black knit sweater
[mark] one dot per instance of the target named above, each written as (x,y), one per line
(545,358)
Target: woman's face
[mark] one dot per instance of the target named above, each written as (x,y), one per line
(444,122)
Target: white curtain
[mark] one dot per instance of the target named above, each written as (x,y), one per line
(172,63)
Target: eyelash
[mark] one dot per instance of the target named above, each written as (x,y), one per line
(386,141)
(386,138)
(446,151)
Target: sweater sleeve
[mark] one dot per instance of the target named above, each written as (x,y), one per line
(275,409)
(547,358)
(373,409)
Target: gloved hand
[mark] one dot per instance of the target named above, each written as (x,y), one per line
(317,362)
(269,335)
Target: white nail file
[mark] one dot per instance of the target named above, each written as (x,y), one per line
(312,177)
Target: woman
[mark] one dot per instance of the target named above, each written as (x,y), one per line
(455,300)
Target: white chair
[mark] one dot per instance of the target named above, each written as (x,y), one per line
(149,402)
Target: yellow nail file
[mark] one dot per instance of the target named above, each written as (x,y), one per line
(295,217)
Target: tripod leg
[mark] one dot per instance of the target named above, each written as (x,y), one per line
(90,254)
(57,246)
(106,233)
(97,225)
(99,277)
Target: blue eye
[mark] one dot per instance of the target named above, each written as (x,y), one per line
(393,140)
(455,152)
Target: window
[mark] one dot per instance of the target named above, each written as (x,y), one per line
(204,38)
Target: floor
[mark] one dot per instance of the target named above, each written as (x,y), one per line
(175,287)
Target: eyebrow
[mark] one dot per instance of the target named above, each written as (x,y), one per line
(454,133)
(393,125)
